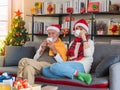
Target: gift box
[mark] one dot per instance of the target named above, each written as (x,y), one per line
(4,86)
(33,87)
(7,79)
(113,29)
(93,6)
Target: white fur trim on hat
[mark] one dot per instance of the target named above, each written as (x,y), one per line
(83,25)
(53,28)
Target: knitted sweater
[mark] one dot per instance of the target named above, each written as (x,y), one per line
(88,57)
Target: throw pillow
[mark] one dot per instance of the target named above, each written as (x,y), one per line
(15,53)
(103,67)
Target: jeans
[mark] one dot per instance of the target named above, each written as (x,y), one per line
(62,69)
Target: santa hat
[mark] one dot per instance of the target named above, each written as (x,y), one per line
(82,23)
(55,27)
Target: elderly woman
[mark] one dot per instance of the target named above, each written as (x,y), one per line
(80,55)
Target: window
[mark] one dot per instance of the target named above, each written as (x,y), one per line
(5,10)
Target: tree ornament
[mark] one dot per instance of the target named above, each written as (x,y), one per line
(18,13)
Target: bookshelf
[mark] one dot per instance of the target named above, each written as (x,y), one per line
(93,34)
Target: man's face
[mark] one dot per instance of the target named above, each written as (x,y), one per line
(53,34)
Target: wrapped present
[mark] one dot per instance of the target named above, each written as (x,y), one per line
(7,79)
(33,87)
(93,6)
(113,29)
(4,86)
(22,84)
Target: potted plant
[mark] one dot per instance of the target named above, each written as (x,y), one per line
(101,27)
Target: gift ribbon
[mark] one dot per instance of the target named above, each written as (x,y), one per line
(5,76)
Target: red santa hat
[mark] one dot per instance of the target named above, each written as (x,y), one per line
(82,23)
(55,27)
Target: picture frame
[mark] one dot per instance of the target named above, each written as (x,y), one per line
(93,6)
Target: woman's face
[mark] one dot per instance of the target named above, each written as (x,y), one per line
(79,31)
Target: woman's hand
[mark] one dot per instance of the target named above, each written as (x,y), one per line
(83,35)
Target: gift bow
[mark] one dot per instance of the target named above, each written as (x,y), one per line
(5,76)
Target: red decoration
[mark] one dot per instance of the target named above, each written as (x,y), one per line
(40,32)
(69,10)
(67,18)
(21,84)
(82,10)
(18,13)
(114,29)
(93,6)
(50,8)
(65,31)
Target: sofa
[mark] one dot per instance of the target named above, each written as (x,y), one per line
(105,69)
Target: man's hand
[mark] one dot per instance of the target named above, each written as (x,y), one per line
(52,47)
(43,46)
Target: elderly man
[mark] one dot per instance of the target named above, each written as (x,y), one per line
(52,49)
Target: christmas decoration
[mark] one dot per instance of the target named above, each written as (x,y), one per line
(50,8)
(69,10)
(114,8)
(101,27)
(37,9)
(2,48)
(18,34)
(21,84)
(113,29)
(33,10)
(67,19)
(65,31)
(93,7)
(38,5)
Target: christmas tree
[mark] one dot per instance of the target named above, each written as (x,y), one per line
(18,34)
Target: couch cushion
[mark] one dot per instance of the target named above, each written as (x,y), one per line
(96,82)
(103,50)
(32,44)
(15,53)
(103,68)
(11,69)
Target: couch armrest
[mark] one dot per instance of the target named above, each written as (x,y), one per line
(114,76)
(2,58)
